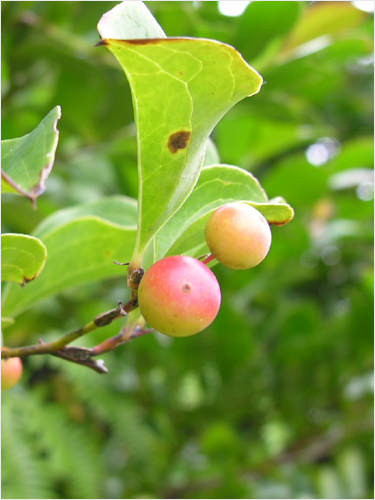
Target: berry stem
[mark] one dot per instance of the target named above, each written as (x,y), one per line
(208,259)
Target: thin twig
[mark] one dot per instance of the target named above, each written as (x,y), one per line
(81,356)
(208,259)
(103,319)
(126,335)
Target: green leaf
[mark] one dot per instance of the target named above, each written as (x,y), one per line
(22,258)
(27,161)
(217,185)
(181,87)
(80,250)
(277,211)
(120,210)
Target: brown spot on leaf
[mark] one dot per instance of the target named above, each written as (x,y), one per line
(179,140)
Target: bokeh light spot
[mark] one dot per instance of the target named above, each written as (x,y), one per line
(232,8)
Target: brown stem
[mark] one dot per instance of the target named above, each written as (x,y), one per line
(103,319)
(81,356)
(134,328)
(134,279)
(121,338)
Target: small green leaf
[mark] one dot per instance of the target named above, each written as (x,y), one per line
(27,161)
(217,185)
(80,250)
(181,87)
(277,211)
(22,258)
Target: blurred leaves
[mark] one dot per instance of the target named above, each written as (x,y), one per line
(263,22)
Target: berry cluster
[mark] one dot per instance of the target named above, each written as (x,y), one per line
(179,295)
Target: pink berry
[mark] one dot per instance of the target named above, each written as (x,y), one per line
(238,236)
(179,296)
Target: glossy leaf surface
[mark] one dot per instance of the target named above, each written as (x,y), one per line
(181,87)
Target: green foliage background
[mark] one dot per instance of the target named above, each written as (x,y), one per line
(274,400)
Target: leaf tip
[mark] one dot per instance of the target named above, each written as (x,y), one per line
(286,220)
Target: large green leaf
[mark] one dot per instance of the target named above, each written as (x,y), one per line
(217,185)
(22,258)
(80,250)
(181,87)
(27,161)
